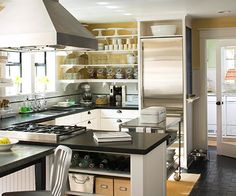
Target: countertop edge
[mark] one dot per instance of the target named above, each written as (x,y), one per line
(102,148)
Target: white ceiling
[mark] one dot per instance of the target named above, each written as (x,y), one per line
(91,12)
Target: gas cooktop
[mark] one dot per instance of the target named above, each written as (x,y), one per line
(41,133)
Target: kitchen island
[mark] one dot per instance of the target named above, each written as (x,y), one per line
(147,153)
(23,156)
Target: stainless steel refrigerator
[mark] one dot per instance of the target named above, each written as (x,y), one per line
(162,72)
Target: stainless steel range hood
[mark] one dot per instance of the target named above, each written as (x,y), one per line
(41,24)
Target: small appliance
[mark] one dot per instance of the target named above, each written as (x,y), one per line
(117,95)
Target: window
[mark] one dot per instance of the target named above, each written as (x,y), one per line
(44,63)
(31,72)
(13,70)
(40,64)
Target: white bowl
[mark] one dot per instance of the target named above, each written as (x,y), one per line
(161,30)
(5,147)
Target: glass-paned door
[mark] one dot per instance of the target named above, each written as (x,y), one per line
(226,97)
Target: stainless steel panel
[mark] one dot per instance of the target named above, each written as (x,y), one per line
(162,67)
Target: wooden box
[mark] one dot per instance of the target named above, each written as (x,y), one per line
(104,186)
(122,187)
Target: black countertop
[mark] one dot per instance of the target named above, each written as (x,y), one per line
(21,155)
(33,117)
(142,143)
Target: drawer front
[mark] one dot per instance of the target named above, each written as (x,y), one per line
(112,124)
(89,124)
(90,114)
(122,187)
(72,119)
(104,186)
(114,113)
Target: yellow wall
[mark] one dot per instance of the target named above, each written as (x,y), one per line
(207,23)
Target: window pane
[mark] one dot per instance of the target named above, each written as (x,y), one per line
(13,57)
(39,57)
(13,71)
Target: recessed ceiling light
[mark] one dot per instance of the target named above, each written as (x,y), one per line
(102,3)
(224,12)
(112,7)
(128,14)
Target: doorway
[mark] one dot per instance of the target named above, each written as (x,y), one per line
(221,95)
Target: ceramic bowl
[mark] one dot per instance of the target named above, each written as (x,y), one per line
(162,30)
(6,147)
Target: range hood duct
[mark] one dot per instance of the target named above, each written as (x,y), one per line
(42,25)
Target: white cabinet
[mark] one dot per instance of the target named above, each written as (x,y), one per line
(112,124)
(89,124)
(71,119)
(90,119)
(88,115)
(104,119)
(112,118)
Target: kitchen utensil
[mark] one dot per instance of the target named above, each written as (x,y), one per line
(86,95)
(162,30)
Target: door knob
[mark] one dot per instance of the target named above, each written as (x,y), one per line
(219,103)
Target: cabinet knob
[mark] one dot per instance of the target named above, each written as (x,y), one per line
(89,112)
(119,111)
(119,121)
(89,122)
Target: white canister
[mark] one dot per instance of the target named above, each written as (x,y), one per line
(125,46)
(110,47)
(100,46)
(128,41)
(119,41)
(131,59)
(116,47)
(106,47)
(121,47)
(114,41)
(134,46)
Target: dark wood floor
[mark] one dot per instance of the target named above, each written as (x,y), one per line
(218,176)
